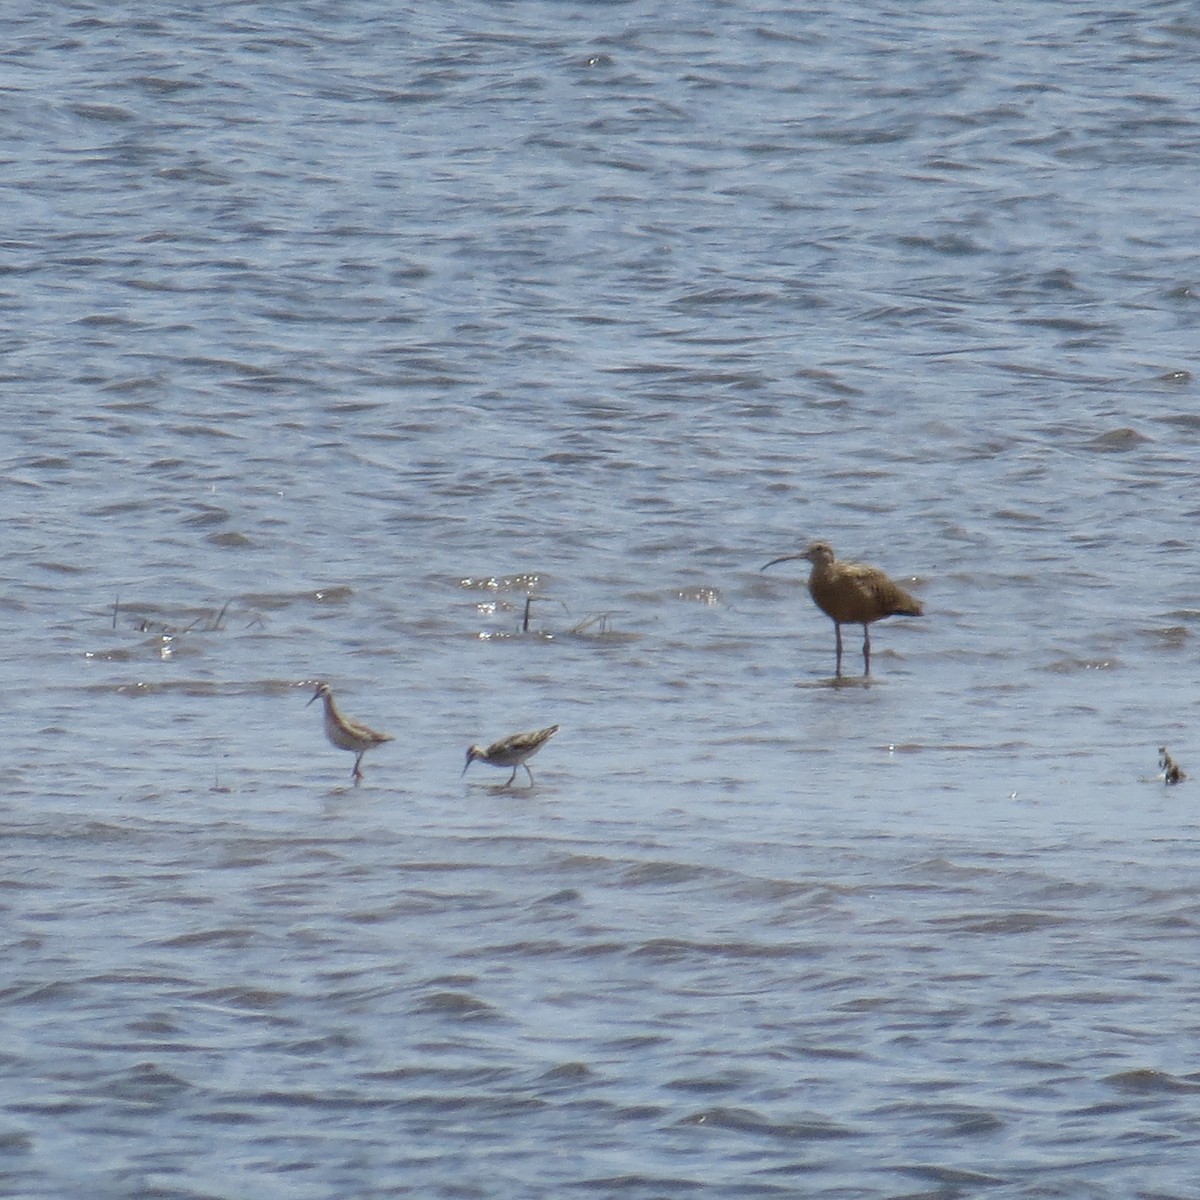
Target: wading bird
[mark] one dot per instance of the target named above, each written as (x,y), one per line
(1172,771)
(852,593)
(512,752)
(346,734)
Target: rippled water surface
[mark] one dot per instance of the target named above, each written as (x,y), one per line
(475,358)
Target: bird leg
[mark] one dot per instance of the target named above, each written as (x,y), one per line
(837,629)
(527,772)
(508,781)
(866,649)
(357,774)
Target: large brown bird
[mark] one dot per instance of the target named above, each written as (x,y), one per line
(852,593)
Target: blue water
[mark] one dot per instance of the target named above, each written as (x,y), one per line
(334,333)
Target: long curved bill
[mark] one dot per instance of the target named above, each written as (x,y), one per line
(785,558)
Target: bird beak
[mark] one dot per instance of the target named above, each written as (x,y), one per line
(785,558)
(314,696)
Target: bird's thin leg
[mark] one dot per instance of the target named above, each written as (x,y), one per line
(357,773)
(513,776)
(837,629)
(527,772)
(866,649)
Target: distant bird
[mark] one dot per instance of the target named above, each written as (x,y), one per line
(1172,771)
(346,734)
(512,752)
(852,593)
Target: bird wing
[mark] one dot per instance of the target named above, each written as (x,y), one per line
(881,594)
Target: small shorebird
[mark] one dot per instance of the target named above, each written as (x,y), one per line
(512,752)
(852,593)
(346,734)
(1172,771)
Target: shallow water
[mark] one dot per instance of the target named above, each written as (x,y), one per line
(334,336)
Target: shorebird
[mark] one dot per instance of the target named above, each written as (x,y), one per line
(852,593)
(346,734)
(1172,771)
(512,751)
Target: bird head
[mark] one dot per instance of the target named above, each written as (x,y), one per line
(323,689)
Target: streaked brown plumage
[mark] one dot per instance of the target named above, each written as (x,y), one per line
(512,751)
(852,593)
(1172,771)
(346,734)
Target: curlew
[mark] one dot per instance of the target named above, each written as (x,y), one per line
(512,752)
(1171,770)
(346,734)
(852,593)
